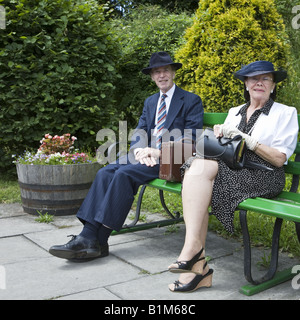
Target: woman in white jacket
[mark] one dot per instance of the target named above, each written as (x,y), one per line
(270,130)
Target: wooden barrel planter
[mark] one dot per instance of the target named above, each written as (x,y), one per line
(55,189)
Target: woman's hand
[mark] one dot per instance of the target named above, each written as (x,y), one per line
(226,130)
(217,130)
(230,131)
(148,156)
(272,155)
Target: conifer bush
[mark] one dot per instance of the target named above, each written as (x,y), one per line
(225,35)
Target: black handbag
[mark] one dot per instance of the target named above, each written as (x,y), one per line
(230,150)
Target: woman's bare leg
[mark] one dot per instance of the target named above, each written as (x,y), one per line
(196,197)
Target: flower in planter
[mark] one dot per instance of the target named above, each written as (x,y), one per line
(57,144)
(55,150)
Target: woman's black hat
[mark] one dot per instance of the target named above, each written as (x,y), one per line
(260,67)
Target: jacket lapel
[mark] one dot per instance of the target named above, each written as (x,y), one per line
(152,111)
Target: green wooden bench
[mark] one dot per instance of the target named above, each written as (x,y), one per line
(286,206)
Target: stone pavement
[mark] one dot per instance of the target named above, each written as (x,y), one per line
(136,268)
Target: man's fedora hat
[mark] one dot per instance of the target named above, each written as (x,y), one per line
(260,67)
(160,59)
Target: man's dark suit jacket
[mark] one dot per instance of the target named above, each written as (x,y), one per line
(112,193)
(185,112)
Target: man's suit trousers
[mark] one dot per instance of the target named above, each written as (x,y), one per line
(112,193)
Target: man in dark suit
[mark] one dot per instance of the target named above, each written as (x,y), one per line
(109,200)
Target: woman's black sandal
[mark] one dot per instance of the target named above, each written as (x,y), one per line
(198,282)
(187,266)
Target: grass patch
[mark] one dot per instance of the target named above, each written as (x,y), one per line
(44,218)
(9,189)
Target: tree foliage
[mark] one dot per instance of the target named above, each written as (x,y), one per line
(124,7)
(291,88)
(58,71)
(227,34)
(145,31)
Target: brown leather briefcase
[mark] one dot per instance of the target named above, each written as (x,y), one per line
(173,155)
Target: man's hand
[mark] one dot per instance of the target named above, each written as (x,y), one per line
(148,156)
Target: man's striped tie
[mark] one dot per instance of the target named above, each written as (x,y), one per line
(162,114)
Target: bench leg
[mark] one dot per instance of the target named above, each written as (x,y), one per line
(162,200)
(297,225)
(295,180)
(272,278)
(247,250)
(132,227)
(138,208)
(163,203)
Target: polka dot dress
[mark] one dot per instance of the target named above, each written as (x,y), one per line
(233,186)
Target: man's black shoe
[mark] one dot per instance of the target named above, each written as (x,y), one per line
(80,249)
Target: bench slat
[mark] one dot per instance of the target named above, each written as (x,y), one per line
(292,167)
(210,119)
(166,185)
(289,196)
(297,150)
(275,208)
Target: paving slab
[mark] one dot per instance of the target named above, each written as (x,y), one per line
(15,226)
(18,249)
(50,278)
(11,210)
(136,268)
(92,294)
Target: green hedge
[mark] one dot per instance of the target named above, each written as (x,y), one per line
(57,60)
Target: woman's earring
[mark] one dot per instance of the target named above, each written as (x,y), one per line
(247,89)
(272,91)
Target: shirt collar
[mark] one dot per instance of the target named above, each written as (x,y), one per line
(265,109)
(170,92)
